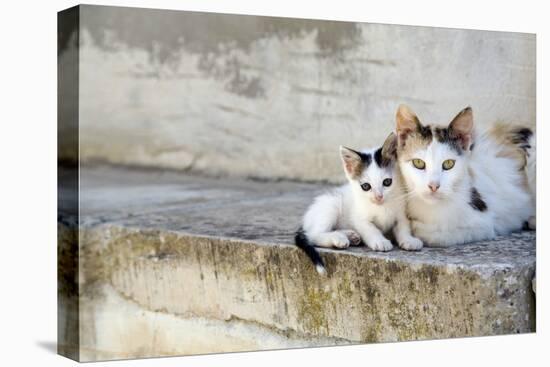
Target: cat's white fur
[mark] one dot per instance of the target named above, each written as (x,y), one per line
(348,214)
(446,217)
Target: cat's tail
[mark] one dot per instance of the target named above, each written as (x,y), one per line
(531,164)
(519,143)
(516,142)
(301,240)
(531,174)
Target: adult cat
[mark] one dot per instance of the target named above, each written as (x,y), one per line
(464,187)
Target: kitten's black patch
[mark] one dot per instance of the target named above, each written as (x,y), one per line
(445,136)
(381,160)
(476,201)
(356,167)
(378,157)
(366,158)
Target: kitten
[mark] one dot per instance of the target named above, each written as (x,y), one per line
(462,187)
(371,204)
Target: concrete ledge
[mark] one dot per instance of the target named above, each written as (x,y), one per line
(174,264)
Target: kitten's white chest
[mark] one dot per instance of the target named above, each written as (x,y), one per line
(382,217)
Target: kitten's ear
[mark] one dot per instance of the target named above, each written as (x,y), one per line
(353,164)
(462,127)
(407,123)
(389,149)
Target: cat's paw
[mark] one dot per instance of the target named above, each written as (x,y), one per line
(411,244)
(354,238)
(380,244)
(340,240)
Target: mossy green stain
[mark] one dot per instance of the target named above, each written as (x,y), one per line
(312,310)
(345,287)
(429,275)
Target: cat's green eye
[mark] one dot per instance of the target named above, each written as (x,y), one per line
(448,164)
(419,163)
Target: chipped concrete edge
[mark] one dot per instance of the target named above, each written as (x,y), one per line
(221,285)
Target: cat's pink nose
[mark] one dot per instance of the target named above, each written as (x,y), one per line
(379,198)
(433,186)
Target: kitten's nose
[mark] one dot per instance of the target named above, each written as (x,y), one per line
(379,198)
(433,186)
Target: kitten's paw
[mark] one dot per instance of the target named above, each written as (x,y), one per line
(532,223)
(380,244)
(354,238)
(411,244)
(340,240)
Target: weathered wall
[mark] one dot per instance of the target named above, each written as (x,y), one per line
(274,97)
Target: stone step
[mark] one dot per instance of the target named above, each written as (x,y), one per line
(176,264)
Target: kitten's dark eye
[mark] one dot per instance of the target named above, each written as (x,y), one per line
(387,182)
(365,186)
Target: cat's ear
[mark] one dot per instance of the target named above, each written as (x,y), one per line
(407,123)
(462,127)
(389,149)
(353,164)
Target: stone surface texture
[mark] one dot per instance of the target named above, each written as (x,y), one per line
(181,264)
